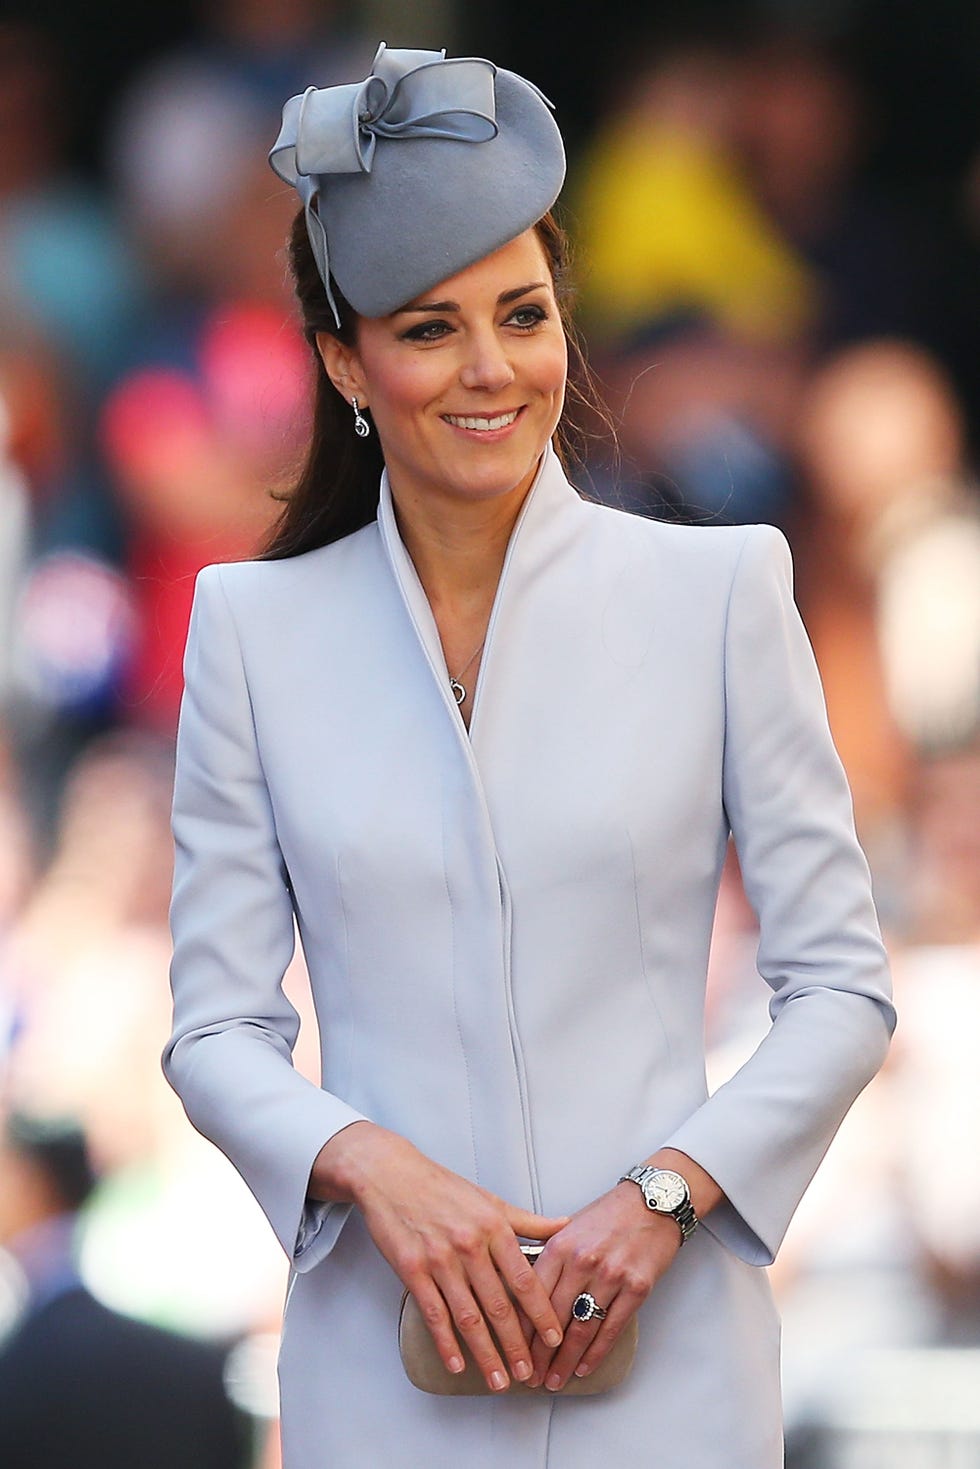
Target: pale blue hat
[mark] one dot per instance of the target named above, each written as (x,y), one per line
(410,175)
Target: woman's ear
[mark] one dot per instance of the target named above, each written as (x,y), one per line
(343,367)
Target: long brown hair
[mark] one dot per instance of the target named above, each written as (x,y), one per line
(336,491)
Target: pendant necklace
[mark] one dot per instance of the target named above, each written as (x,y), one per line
(459,692)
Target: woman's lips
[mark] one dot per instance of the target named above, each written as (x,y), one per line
(484,425)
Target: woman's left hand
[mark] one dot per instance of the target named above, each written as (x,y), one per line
(616,1249)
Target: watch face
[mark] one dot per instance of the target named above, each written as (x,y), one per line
(667,1190)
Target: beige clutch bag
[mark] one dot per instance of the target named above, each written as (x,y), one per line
(424,1368)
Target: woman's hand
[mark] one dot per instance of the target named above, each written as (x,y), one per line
(616,1249)
(452,1244)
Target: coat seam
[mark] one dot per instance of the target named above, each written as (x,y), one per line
(347,975)
(456,1020)
(724,665)
(547,1436)
(643,949)
(516,1044)
(248,692)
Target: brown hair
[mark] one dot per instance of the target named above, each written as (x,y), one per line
(336,491)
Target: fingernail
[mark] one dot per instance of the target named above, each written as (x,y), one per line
(552,1338)
(582,1370)
(455,1364)
(498,1381)
(522,1370)
(553,1382)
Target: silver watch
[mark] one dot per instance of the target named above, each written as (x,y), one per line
(665,1192)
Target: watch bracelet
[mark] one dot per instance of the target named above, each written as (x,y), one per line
(685,1217)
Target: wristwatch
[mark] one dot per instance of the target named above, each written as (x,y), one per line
(665,1192)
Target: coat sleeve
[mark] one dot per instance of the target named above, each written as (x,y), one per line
(230,1055)
(762,1134)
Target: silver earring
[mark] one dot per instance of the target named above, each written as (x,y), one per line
(361,426)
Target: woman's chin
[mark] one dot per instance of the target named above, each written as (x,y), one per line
(498,477)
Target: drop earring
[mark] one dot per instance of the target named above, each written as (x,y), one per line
(361,426)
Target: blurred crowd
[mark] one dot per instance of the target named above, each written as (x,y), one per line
(775,340)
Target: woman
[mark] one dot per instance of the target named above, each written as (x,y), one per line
(487,743)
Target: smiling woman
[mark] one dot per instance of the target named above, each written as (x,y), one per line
(337,490)
(484,744)
(466,391)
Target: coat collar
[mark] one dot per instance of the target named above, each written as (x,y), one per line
(552,508)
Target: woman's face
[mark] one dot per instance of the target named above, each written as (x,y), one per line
(466,383)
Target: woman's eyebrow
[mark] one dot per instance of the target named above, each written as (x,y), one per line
(428,306)
(504,299)
(518,291)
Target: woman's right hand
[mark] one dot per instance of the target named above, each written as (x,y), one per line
(451,1243)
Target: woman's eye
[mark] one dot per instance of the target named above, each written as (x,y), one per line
(527,317)
(426,331)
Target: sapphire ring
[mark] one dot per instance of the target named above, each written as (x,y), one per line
(586,1308)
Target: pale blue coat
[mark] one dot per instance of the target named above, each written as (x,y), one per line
(507,935)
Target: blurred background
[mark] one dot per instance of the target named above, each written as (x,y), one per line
(776,212)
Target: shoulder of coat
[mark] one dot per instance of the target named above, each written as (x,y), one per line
(255,578)
(712,544)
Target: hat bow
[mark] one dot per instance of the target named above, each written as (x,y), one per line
(408,94)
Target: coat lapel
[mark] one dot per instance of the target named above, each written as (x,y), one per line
(413,596)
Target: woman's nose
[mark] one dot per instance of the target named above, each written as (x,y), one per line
(487,365)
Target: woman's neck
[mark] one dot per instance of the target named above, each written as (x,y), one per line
(458,548)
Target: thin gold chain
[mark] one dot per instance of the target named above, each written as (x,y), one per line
(455,684)
(469,660)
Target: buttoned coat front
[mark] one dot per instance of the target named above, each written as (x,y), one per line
(507,935)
